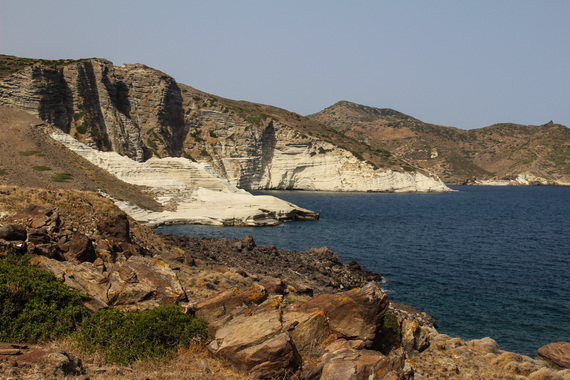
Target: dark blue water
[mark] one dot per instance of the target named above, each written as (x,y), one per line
(485,261)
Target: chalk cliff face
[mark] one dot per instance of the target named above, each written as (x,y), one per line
(141,113)
(191,192)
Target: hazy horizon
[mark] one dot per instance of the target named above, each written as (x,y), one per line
(462,64)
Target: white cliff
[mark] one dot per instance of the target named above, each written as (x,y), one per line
(143,113)
(279,159)
(191,192)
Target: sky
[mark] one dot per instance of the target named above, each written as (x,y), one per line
(466,64)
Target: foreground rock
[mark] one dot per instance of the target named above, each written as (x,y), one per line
(268,325)
(19,361)
(556,353)
(326,337)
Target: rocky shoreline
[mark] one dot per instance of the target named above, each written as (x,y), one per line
(271,313)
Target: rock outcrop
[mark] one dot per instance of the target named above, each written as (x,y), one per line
(557,353)
(140,112)
(190,192)
(265,325)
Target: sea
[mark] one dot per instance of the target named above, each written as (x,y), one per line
(483,261)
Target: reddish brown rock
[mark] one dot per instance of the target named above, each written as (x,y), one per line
(355,314)
(80,249)
(556,353)
(19,361)
(115,227)
(220,308)
(38,236)
(143,283)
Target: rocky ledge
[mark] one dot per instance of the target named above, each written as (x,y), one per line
(271,313)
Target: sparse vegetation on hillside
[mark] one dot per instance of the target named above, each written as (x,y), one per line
(61,177)
(500,150)
(10,64)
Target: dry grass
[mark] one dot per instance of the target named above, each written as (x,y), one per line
(193,362)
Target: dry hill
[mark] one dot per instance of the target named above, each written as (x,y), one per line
(495,152)
(30,158)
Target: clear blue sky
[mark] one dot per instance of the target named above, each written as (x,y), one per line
(466,64)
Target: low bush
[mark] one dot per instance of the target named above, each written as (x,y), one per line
(61,177)
(41,168)
(27,153)
(391,322)
(34,305)
(82,129)
(127,337)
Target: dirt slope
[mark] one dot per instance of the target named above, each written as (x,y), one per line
(30,158)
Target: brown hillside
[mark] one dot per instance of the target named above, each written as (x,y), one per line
(499,151)
(30,158)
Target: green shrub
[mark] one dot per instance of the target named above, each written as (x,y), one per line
(126,337)
(213,134)
(189,157)
(61,177)
(204,152)
(196,135)
(391,322)
(41,168)
(27,153)
(2,172)
(82,129)
(34,305)
(358,155)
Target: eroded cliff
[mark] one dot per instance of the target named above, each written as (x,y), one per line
(140,112)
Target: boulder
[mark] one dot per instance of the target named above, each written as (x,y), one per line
(13,232)
(38,236)
(271,359)
(143,283)
(222,307)
(39,216)
(115,227)
(558,354)
(80,249)
(354,314)
(256,343)
(139,283)
(343,361)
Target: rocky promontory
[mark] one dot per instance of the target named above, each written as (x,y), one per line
(271,313)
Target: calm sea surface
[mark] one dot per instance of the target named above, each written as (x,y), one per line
(484,261)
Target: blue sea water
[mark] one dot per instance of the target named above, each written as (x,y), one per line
(484,261)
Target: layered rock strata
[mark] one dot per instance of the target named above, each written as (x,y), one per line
(192,193)
(139,112)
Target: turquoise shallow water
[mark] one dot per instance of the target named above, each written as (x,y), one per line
(485,261)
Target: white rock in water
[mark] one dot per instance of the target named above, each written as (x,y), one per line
(191,192)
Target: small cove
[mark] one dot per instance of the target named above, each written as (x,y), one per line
(484,261)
